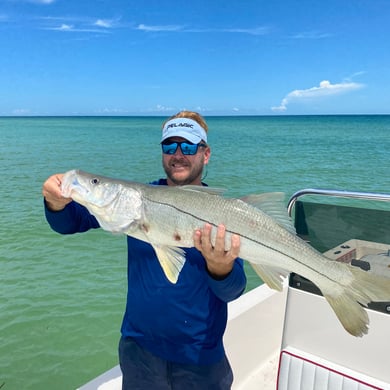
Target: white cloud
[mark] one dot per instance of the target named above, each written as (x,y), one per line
(21,111)
(78,24)
(312,35)
(177,28)
(144,27)
(64,27)
(162,108)
(114,111)
(252,31)
(356,74)
(42,1)
(326,88)
(103,23)
(107,23)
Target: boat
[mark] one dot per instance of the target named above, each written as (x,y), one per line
(292,340)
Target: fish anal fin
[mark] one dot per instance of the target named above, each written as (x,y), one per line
(171,259)
(271,276)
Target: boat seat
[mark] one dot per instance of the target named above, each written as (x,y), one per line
(298,370)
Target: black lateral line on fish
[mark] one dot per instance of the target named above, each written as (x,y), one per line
(232,232)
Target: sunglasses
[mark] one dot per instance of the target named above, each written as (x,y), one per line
(187,148)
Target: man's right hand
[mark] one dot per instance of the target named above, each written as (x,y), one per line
(51,191)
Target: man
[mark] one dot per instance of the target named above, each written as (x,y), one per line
(171,333)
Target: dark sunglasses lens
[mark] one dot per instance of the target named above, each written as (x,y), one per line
(188,149)
(169,148)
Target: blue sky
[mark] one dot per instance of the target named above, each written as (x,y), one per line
(231,57)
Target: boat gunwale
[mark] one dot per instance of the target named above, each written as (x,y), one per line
(335,193)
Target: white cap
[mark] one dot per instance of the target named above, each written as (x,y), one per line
(186,128)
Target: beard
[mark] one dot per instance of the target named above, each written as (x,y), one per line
(182,172)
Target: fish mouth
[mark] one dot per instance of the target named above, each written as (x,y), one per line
(72,186)
(68,183)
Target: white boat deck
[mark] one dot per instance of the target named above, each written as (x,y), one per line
(253,338)
(252,341)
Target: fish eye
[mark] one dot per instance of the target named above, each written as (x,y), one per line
(95,181)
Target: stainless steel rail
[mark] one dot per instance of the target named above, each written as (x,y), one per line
(335,193)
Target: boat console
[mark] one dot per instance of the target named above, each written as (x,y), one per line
(316,351)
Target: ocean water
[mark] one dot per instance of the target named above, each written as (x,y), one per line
(62,297)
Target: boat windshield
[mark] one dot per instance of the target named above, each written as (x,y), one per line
(348,227)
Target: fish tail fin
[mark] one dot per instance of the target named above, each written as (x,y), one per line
(350,313)
(349,300)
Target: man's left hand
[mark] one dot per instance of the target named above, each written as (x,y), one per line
(219,261)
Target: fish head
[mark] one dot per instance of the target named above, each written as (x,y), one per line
(116,206)
(86,188)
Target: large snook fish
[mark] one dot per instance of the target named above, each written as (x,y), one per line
(166,217)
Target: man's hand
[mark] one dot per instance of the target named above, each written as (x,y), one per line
(219,261)
(51,191)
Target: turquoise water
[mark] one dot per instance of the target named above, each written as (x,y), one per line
(62,298)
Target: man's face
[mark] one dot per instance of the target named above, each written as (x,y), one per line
(185,169)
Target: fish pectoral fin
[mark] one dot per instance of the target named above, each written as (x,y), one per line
(271,276)
(171,259)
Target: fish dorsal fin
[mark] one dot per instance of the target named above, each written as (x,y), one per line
(273,277)
(208,190)
(171,259)
(272,203)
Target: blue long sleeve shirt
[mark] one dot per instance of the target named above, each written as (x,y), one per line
(182,322)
